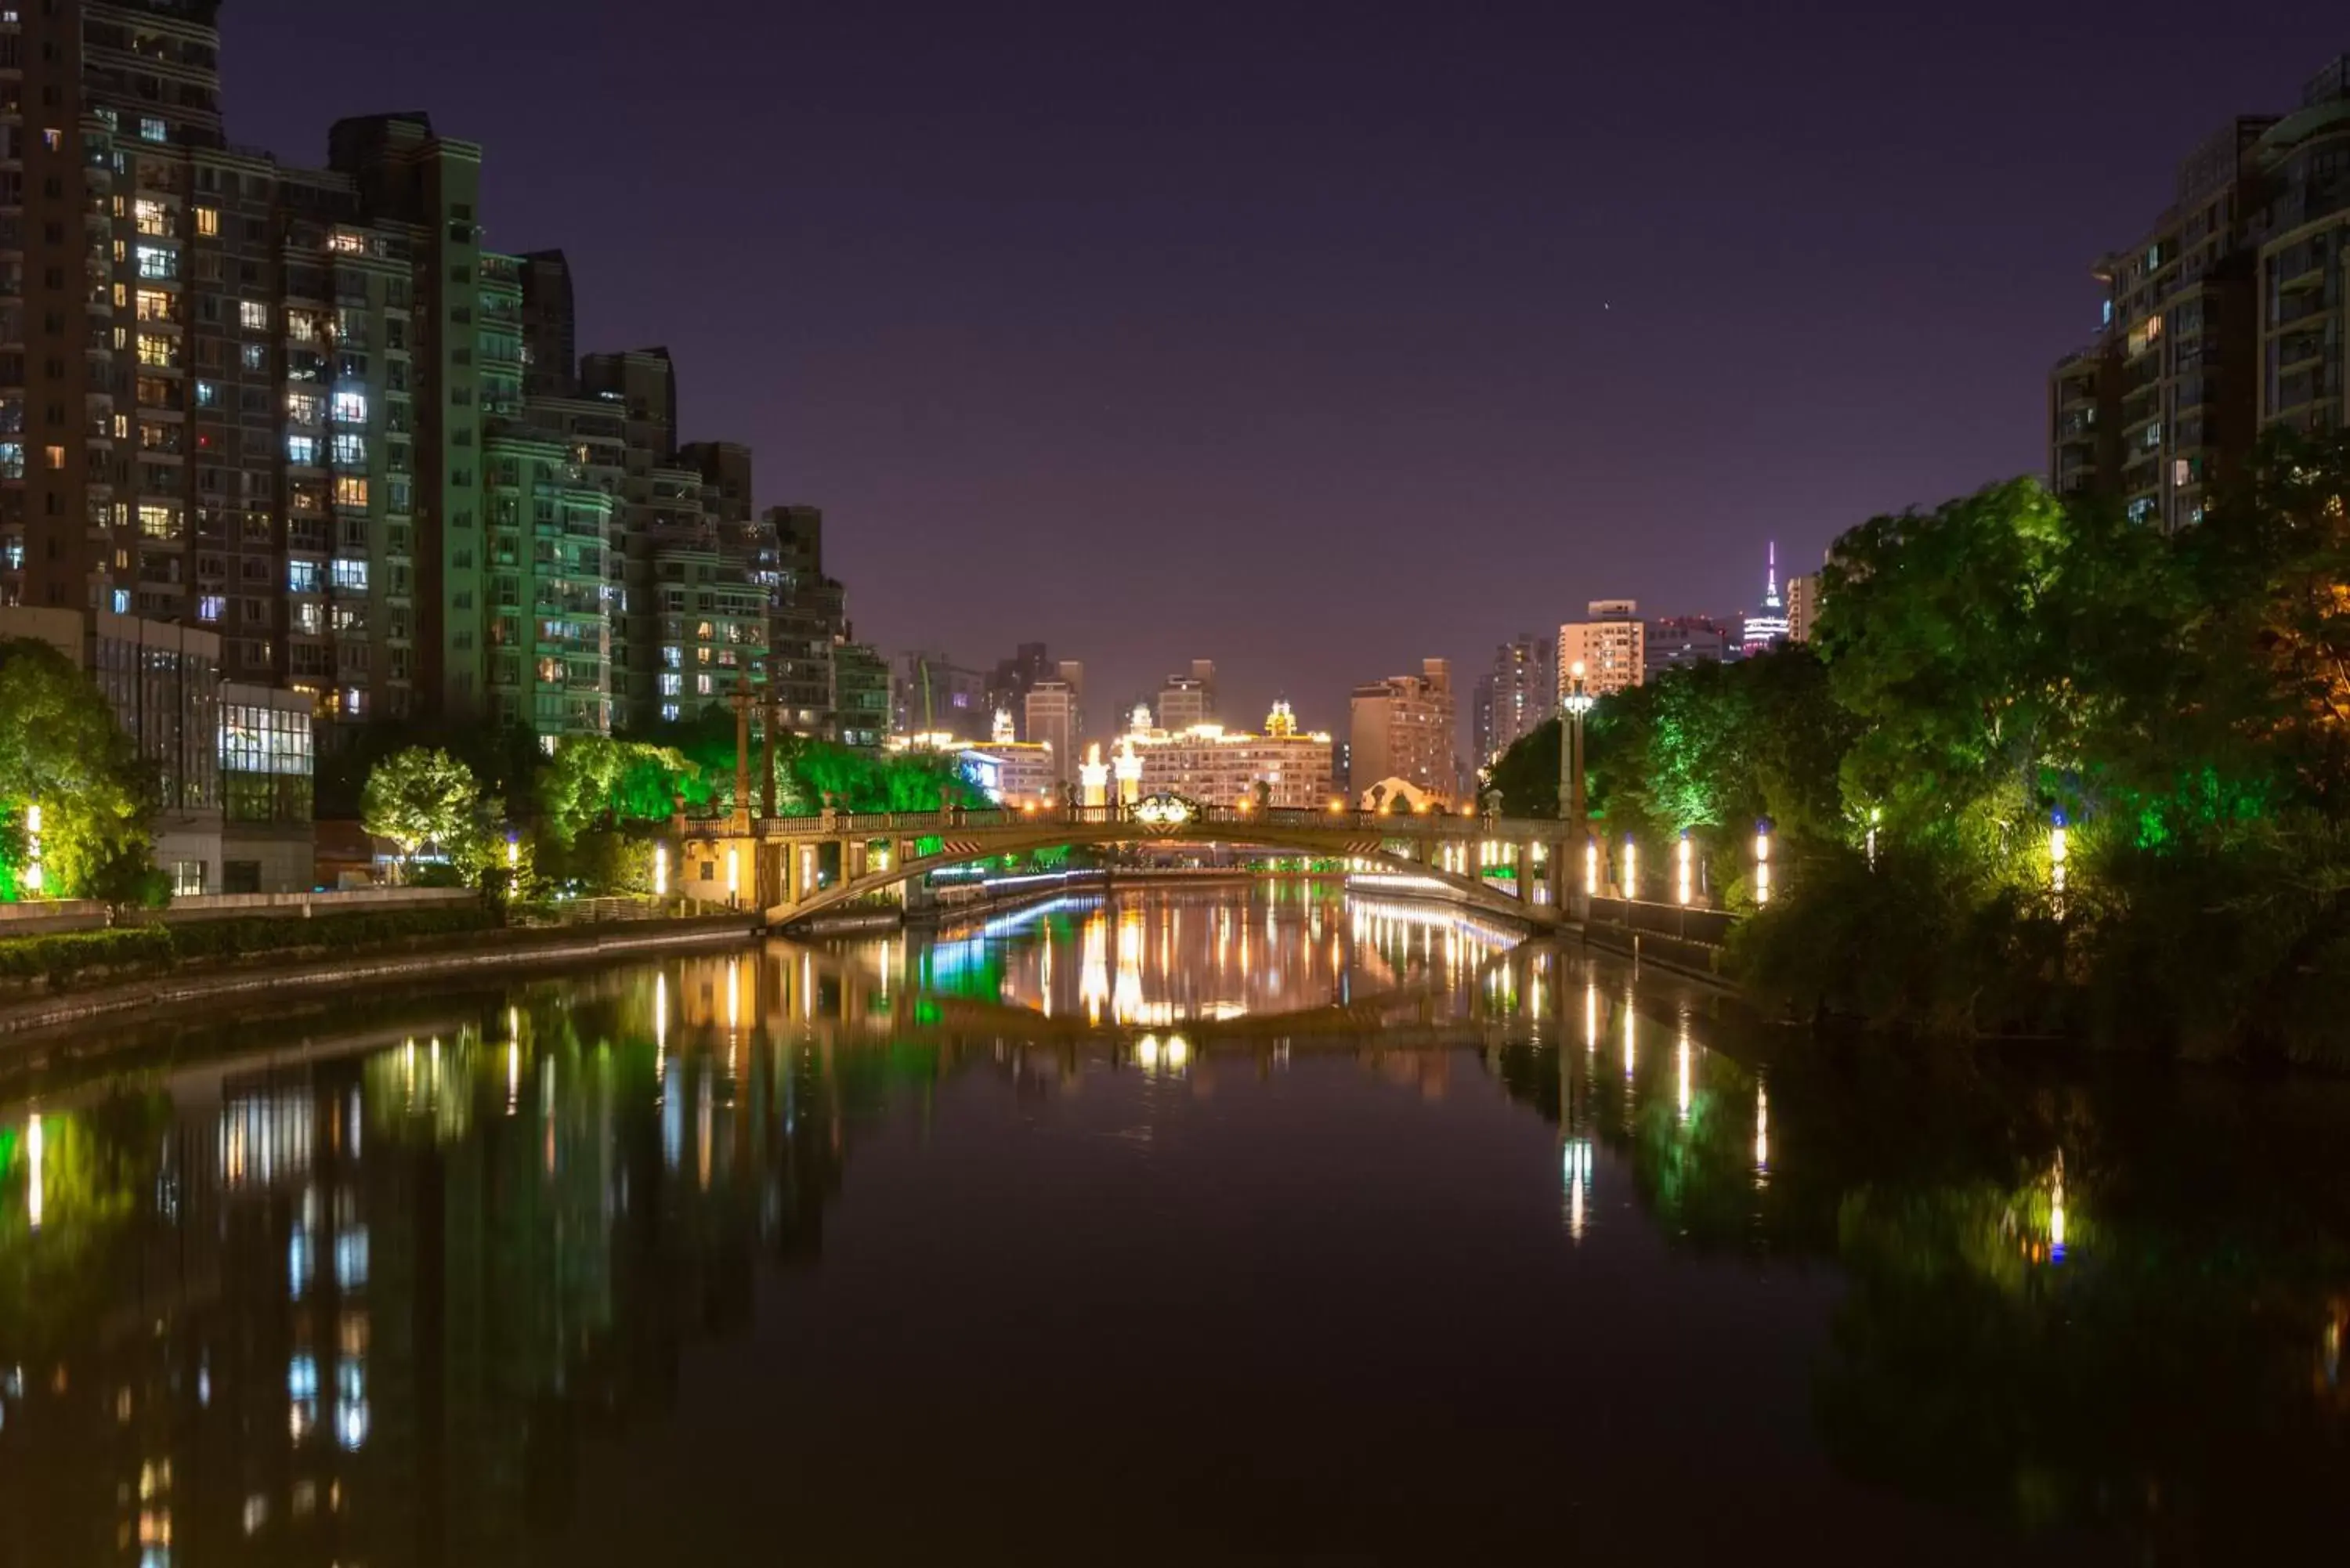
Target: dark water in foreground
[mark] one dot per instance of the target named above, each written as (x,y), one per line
(1194,1229)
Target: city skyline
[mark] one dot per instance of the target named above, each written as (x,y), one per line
(1041,388)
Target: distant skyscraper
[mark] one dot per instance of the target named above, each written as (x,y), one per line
(1187,700)
(1770,625)
(1611,646)
(1685,639)
(1517,694)
(1052,719)
(1402,727)
(550,348)
(932,694)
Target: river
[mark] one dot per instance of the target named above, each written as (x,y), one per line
(1198,1226)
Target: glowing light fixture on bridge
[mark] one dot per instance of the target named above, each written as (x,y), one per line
(1163,811)
(1591,866)
(660,870)
(1631,868)
(1762,825)
(734,872)
(1684,881)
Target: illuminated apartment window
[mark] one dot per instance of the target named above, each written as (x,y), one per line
(350,490)
(253,316)
(54,455)
(207,222)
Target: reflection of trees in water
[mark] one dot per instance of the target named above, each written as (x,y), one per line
(2100,1298)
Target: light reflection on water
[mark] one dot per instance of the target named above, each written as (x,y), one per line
(491,1236)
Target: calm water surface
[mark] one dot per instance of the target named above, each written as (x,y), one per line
(1188,1228)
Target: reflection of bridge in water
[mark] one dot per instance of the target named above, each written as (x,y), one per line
(1436,976)
(796,868)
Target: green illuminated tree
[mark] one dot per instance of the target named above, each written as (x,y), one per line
(60,749)
(418,798)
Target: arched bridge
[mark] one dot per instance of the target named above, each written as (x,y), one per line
(797,868)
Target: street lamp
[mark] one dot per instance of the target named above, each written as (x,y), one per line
(1631,868)
(1685,884)
(660,870)
(1573,702)
(1762,825)
(2059,850)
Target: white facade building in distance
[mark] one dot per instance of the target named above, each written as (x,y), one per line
(1611,646)
(1216,766)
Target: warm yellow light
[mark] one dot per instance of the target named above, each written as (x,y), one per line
(1631,869)
(660,870)
(33,818)
(33,1195)
(1337,805)
(1591,866)
(734,872)
(514,853)
(1685,884)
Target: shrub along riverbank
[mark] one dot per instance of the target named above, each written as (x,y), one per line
(60,960)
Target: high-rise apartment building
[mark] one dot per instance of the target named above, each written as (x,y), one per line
(1515,696)
(2227,314)
(239,385)
(1611,646)
(860,696)
(1402,727)
(810,617)
(550,342)
(303,410)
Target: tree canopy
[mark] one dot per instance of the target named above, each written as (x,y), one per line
(60,749)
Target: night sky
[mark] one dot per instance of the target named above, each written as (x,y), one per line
(1312,338)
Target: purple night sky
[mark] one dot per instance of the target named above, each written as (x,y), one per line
(1312,338)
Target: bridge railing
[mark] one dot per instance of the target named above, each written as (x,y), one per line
(1387,825)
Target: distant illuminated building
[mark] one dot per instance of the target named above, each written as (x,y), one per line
(1217,766)
(1770,627)
(1611,646)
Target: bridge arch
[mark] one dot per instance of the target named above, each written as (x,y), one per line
(1049,834)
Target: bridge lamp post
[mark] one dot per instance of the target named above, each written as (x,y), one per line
(660,870)
(1685,883)
(1575,703)
(1631,868)
(2059,851)
(1762,825)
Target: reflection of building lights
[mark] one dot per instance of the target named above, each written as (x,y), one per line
(660,1017)
(1179,1053)
(1628,1016)
(1684,1056)
(1591,1015)
(1146,1050)
(33,1151)
(1574,1170)
(1591,866)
